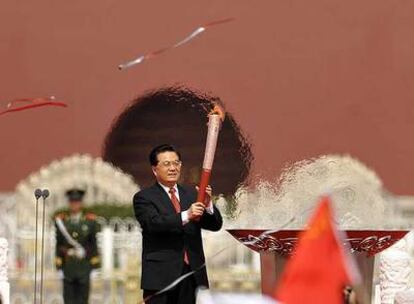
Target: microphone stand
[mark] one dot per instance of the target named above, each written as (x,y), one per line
(37,194)
(45,194)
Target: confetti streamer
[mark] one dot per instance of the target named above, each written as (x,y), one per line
(30,100)
(191,36)
(31,103)
(23,100)
(187,39)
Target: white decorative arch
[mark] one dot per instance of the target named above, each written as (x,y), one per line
(102,181)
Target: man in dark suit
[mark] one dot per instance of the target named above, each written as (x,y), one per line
(171,222)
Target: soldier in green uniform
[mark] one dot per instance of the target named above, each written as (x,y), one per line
(76,248)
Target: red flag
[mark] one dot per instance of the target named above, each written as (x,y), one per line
(320,267)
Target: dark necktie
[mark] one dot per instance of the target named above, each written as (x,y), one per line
(177,207)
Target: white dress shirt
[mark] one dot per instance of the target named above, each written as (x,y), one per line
(184,214)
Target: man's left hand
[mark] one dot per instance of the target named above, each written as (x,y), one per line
(209,194)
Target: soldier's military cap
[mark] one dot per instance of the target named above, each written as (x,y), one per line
(75,194)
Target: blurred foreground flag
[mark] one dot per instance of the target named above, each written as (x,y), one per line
(207,297)
(320,267)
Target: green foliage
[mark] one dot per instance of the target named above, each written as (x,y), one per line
(105,210)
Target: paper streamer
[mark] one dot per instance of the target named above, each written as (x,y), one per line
(31,103)
(30,100)
(187,39)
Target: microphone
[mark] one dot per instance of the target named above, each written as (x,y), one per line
(45,193)
(38,193)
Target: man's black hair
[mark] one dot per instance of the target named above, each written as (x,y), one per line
(153,157)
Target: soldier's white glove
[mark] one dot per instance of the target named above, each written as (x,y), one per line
(80,253)
(60,274)
(94,274)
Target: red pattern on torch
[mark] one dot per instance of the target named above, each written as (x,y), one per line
(204,181)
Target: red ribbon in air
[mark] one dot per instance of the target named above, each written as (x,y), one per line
(31,103)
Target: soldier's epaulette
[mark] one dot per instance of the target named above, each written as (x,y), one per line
(90,216)
(61,216)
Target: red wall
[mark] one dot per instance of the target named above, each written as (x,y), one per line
(301,77)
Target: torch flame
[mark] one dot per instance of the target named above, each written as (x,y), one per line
(217,110)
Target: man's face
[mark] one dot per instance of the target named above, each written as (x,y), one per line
(75,206)
(168,169)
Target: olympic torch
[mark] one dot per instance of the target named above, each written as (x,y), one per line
(216,117)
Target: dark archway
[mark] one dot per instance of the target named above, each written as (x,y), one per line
(178,116)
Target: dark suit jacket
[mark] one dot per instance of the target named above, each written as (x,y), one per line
(165,237)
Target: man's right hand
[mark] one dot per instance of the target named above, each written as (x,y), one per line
(195,211)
